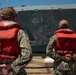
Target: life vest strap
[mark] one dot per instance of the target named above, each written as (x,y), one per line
(6,59)
(7,56)
(63,52)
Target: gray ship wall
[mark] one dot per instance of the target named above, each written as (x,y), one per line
(40,25)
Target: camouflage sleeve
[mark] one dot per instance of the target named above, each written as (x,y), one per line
(26,52)
(50,48)
(74,55)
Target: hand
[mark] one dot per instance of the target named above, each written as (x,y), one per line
(4,71)
(67,57)
(5,68)
(8,66)
(2,65)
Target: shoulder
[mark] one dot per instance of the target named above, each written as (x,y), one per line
(22,35)
(53,37)
(21,32)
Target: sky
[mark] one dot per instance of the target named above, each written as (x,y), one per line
(19,3)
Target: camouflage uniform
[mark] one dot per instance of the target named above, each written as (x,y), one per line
(61,67)
(24,58)
(18,65)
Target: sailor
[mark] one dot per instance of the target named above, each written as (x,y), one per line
(15,49)
(61,48)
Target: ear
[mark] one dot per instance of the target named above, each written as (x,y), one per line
(59,26)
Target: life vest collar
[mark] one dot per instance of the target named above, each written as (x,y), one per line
(8,25)
(64,31)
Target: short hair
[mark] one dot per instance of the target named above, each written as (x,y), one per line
(8,12)
(63,24)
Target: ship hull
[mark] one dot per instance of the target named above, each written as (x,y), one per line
(40,25)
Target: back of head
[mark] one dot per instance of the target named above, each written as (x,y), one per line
(8,12)
(63,24)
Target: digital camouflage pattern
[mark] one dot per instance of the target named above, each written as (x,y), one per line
(61,67)
(25,57)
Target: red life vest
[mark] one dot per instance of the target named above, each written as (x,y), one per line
(8,39)
(65,41)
